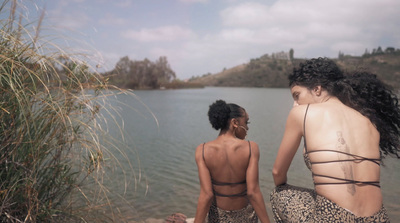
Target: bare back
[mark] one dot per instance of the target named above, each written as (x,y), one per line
(227,161)
(343,148)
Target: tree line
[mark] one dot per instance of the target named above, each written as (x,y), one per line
(272,71)
(143,74)
(374,52)
(265,71)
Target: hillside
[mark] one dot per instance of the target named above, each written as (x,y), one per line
(268,71)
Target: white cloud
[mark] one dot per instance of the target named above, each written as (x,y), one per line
(311,27)
(248,14)
(295,22)
(165,33)
(237,35)
(245,29)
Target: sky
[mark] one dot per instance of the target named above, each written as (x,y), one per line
(207,36)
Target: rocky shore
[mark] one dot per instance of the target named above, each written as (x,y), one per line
(173,218)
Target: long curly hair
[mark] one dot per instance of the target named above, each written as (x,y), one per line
(316,72)
(367,94)
(360,90)
(220,113)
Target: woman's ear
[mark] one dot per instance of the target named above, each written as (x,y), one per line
(234,122)
(317,90)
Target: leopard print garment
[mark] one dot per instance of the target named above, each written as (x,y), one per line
(217,215)
(292,204)
(328,211)
(297,204)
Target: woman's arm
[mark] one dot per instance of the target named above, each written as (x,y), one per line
(253,189)
(289,145)
(206,193)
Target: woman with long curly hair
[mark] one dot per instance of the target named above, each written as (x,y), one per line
(228,170)
(348,124)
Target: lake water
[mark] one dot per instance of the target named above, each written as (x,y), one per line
(162,129)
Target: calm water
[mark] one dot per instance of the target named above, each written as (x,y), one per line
(162,148)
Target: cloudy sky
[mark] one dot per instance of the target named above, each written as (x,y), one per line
(206,36)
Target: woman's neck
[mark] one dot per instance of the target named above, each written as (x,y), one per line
(325,97)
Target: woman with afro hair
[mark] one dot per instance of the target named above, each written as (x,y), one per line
(228,170)
(348,124)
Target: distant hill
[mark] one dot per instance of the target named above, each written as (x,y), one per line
(272,71)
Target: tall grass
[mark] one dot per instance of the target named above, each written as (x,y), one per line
(50,138)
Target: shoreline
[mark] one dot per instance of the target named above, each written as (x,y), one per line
(166,220)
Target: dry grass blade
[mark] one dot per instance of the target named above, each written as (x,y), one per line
(52,144)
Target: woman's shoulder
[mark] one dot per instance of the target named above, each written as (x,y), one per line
(335,108)
(316,112)
(254,148)
(298,112)
(252,144)
(247,143)
(200,145)
(300,108)
(199,150)
(214,144)
(234,143)
(318,108)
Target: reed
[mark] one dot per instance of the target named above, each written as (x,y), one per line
(51,142)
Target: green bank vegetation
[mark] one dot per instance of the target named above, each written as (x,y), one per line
(52,144)
(272,70)
(145,74)
(265,71)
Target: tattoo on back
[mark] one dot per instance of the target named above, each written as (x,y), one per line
(346,167)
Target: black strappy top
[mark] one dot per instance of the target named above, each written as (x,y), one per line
(355,158)
(214,182)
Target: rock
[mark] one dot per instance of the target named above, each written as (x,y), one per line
(189,220)
(176,218)
(154,220)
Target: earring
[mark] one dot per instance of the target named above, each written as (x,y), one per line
(234,132)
